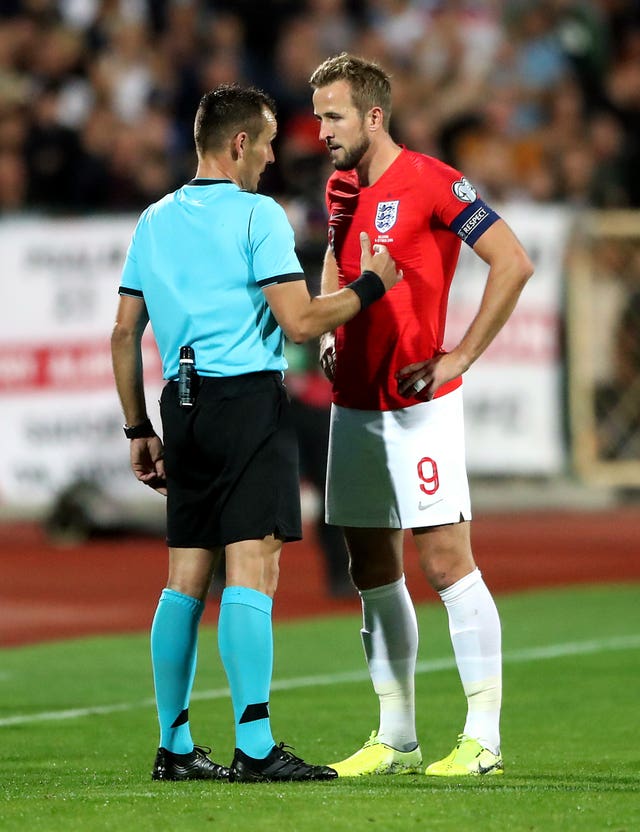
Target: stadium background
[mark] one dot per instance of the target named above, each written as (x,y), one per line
(539,105)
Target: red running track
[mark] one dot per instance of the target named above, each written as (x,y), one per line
(50,592)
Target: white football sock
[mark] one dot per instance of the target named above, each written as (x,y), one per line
(390,640)
(474,625)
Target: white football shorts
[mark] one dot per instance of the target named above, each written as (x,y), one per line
(398,469)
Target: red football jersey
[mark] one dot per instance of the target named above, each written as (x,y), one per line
(421,209)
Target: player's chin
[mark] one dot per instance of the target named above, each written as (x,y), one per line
(341,163)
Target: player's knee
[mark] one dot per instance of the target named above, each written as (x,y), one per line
(443,568)
(367,575)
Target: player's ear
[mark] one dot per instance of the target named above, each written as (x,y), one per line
(375,118)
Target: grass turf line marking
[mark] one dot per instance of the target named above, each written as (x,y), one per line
(527,654)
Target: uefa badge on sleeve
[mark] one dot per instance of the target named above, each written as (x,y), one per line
(464,190)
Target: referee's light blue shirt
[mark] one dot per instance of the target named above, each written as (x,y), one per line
(199,257)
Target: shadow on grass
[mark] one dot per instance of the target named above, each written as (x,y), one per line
(521,783)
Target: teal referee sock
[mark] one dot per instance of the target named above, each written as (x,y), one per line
(245,641)
(174,642)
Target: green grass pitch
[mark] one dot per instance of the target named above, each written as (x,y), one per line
(78,729)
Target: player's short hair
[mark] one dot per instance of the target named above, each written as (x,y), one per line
(370,84)
(227,110)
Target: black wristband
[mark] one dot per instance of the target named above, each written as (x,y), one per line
(141,431)
(368,287)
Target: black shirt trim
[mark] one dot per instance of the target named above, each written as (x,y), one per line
(210,182)
(280,278)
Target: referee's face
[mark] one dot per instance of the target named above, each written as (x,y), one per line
(258,153)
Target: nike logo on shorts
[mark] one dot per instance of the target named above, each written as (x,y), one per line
(429,505)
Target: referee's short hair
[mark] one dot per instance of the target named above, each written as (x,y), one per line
(227,110)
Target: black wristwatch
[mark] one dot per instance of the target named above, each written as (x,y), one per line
(141,431)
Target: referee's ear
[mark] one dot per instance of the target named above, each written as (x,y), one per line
(239,145)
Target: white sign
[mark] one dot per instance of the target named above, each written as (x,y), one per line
(61,419)
(513,393)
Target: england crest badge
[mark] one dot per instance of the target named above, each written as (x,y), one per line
(386,215)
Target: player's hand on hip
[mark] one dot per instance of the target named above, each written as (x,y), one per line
(416,381)
(422,379)
(379,261)
(328,355)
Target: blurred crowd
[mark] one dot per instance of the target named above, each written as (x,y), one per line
(534,100)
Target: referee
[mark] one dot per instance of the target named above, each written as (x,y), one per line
(213,267)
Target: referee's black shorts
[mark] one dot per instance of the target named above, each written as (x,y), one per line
(231,462)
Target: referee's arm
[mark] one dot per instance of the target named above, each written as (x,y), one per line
(145,451)
(126,354)
(303,317)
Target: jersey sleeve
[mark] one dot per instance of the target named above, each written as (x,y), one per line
(130,283)
(459,207)
(272,245)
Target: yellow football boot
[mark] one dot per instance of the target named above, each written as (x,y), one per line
(377,758)
(467,759)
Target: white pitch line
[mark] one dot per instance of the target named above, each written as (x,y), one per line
(528,654)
